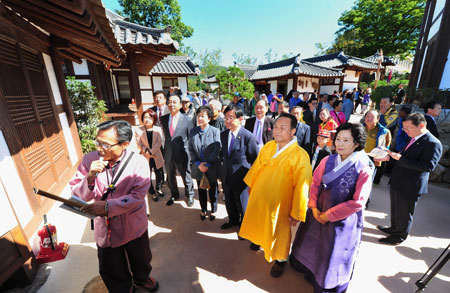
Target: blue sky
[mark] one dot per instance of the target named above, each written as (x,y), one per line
(255,26)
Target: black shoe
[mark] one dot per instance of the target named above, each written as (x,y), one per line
(391,240)
(155,197)
(160,193)
(385,229)
(170,201)
(212,217)
(190,202)
(254,247)
(151,285)
(227,225)
(240,238)
(202,217)
(277,269)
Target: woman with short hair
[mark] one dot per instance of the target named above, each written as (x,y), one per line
(326,245)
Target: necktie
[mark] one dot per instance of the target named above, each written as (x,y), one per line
(258,131)
(410,143)
(171,128)
(231,144)
(159,117)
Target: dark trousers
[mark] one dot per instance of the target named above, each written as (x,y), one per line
(309,276)
(233,205)
(357,102)
(185,172)
(202,197)
(159,174)
(379,173)
(113,263)
(402,211)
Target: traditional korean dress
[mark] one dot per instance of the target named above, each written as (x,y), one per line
(279,182)
(328,252)
(331,126)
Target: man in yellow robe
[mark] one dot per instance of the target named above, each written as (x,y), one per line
(279,182)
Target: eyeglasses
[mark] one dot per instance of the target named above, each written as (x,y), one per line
(230,118)
(105,146)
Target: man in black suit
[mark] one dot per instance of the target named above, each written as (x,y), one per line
(176,127)
(239,150)
(409,178)
(160,107)
(303,131)
(261,126)
(432,111)
(311,117)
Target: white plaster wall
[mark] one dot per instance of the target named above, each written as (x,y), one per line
(157,83)
(421,65)
(351,76)
(328,89)
(81,69)
(7,218)
(434,28)
(145,82)
(182,84)
(273,86)
(445,81)
(52,78)
(307,84)
(68,138)
(290,85)
(13,185)
(147,96)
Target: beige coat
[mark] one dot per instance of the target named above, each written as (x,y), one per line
(157,141)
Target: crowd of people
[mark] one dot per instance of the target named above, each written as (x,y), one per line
(280,161)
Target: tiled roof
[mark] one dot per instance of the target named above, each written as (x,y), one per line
(134,34)
(387,61)
(339,59)
(210,79)
(175,65)
(293,66)
(249,70)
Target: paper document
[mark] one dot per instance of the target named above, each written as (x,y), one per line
(75,209)
(379,153)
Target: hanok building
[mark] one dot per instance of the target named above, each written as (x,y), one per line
(173,71)
(41,41)
(351,66)
(431,67)
(291,74)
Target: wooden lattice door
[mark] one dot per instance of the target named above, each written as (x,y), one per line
(24,88)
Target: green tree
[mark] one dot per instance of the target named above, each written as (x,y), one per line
(157,14)
(233,80)
(370,25)
(270,56)
(244,59)
(87,110)
(209,61)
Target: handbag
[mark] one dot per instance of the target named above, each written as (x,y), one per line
(204,182)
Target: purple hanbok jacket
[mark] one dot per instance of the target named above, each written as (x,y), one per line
(126,205)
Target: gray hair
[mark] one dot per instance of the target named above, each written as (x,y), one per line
(122,128)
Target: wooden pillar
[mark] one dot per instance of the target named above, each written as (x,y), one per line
(135,87)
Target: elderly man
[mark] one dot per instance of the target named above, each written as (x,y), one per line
(409,178)
(377,136)
(303,131)
(117,180)
(238,101)
(295,99)
(261,126)
(186,108)
(176,127)
(239,151)
(432,111)
(388,114)
(279,184)
(160,107)
(217,120)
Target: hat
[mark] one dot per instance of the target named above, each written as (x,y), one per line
(185,98)
(324,132)
(237,94)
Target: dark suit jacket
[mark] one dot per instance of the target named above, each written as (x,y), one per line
(312,122)
(205,147)
(242,156)
(411,172)
(267,134)
(322,154)
(431,125)
(303,135)
(176,146)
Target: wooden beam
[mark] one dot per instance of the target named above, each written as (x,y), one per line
(59,43)
(82,56)
(70,56)
(94,55)
(77,6)
(135,83)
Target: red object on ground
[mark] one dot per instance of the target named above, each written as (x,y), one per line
(132,101)
(50,250)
